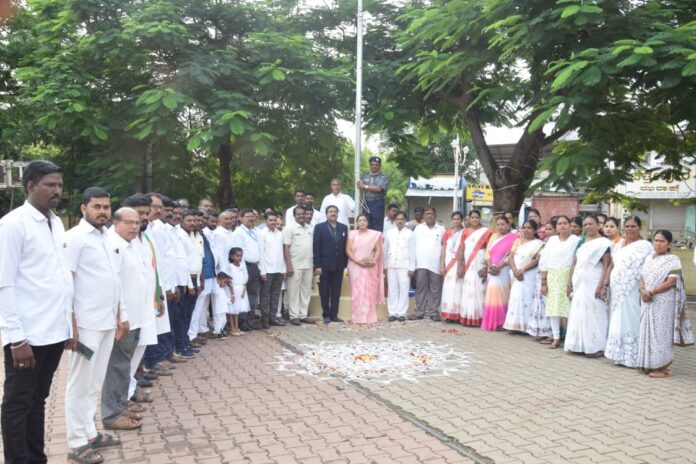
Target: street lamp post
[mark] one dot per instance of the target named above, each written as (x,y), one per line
(358,106)
(457,152)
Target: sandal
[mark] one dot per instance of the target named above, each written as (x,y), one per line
(545,341)
(103,440)
(599,354)
(141,397)
(554,344)
(660,374)
(86,455)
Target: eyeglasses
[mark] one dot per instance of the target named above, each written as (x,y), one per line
(130,223)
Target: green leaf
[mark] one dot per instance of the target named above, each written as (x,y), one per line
(644,50)
(278,75)
(592,76)
(561,80)
(193,143)
(155,97)
(631,60)
(237,126)
(169,102)
(144,132)
(591,9)
(77,107)
(620,49)
(562,166)
(570,11)
(389,115)
(100,133)
(540,120)
(689,69)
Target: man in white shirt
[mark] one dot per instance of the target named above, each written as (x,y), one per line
(193,249)
(136,301)
(35,309)
(94,265)
(397,261)
(390,218)
(272,270)
(426,246)
(344,203)
(298,241)
(299,201)
(246,238)
(317,216)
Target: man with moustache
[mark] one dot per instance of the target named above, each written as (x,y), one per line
(98,319)
(35,310)
(272,269)
(374,187)
(330,260)
(134,290)
(222,242)
(426,245)
(344,203)
(246,238)
(298,244)
(299,201)
(193,250)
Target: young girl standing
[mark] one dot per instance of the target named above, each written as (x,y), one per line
(236,289)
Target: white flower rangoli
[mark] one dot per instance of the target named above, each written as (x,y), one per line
(381,360)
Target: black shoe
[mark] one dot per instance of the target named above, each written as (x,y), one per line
(337,319)
(277,323)
(435,318)
(402,318)
(142,383)
(392,318)
(265,324)
(327,320)
(150,376)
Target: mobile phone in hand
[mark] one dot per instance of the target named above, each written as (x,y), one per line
(84,350)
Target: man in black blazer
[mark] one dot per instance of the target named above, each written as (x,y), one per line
(329,262)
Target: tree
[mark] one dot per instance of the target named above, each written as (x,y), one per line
(532,64)
(171,91)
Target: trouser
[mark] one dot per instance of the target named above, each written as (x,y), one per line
(189,305)
(555,327)
(398,282)
(117,381)
(85,381)
(199,318)
(253,286)
(375,214)
(330,292)
(270,294)
(177,321)
(138,354)
(299,292)
(220,300)
(428,293)
(23,404)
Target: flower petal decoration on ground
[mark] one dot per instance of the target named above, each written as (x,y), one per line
(381,360)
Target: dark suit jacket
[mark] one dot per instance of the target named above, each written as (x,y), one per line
(330,254)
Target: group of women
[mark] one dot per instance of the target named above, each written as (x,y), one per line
(612,295)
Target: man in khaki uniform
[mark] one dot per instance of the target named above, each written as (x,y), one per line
(298,241)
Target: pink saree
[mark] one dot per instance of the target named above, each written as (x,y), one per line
(367,283)
(497,287)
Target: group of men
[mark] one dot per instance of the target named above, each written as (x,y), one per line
(129,294)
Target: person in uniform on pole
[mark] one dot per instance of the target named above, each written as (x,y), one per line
(374,188)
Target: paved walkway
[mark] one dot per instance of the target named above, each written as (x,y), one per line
(494,397)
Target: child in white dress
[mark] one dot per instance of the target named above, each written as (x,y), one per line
(236,289)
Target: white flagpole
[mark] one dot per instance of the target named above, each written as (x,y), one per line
(358,108)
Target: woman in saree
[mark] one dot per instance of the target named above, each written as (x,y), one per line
(365,263)
(658,294)
(472,270)
(498,287)
(558,257)
(624,302)
(524,269)
(452,285)
(612,231)
(535,216)
(588,284)
(539,324)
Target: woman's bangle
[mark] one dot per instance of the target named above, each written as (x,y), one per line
(21,344)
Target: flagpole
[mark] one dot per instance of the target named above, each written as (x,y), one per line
(358,108)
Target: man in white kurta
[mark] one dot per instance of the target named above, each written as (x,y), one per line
(96,301)
(426,247)
(344,203)
(397,261)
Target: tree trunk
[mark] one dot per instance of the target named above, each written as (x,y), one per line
(225,195)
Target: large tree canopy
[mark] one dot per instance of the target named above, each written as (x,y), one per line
(610,74)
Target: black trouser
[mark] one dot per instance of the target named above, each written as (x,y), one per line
(375,214)
(253,286)
(23,404)
(270,294)
(330,292)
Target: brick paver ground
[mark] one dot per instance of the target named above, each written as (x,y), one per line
(519,402)
(231,406)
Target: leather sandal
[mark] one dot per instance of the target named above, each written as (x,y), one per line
(141,397)
(85,455)
(123,423)
(104,440)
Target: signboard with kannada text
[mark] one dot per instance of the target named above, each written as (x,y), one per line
(479,193)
